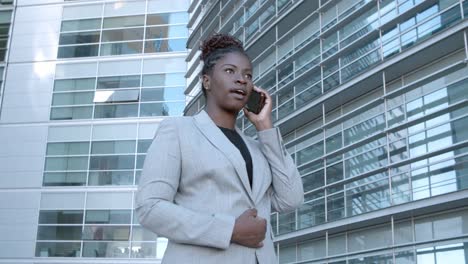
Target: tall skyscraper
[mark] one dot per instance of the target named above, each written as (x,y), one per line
(84,85)
(371,98)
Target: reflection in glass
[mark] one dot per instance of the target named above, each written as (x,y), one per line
(162,109)
(96,232)
(106,249)
(79,38)
(124,21)
(163,94)
(79,98)
(116,110)
(163,32)
(61,217)
(64,179)
(122,34)
(58,249)
(117,162)
(100,178)
(59,233)
(68,148)
(81,24)
(121,48)
(78,51)
(74,84)
(144,250)
(65,113)
(165,45)
(113,147)
(115,82)
(108,217)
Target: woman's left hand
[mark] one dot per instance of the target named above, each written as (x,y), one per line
(262,120)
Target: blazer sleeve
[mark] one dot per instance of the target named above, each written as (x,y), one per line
(155,197)
(287,190)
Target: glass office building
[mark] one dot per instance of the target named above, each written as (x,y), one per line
(372,99)
(85,84)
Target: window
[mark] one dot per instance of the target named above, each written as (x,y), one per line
(5,21)
(109,36)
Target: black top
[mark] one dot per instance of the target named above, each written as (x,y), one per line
(240,144)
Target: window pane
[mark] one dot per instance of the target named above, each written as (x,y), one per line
(142,234)
(311,213)
(164,79)
(113,147)
(167,18)
(59,233)
(58,249)
(70,163)
(106,249)
(313,180)
(61,217)
(146,250)
(106,233)
(143,145)
(110,96)
(72,148)
(310,153)
(75,84)
(121,48)
(112,111)
(118,82)
(78,51)
(122,34)
(64,179)
(120,162)
(162,109)
(167,32)
(79,38)
(163,94)
(126,21)
(165,45)
(101,178)
(79,112)
(82,24)
(73,98)
(108,216)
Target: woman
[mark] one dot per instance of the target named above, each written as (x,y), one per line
(208,188)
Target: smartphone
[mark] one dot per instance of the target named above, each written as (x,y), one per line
(256,102)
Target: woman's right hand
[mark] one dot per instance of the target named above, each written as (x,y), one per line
(249,229)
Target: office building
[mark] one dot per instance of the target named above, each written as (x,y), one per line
(85,84)
(371,98)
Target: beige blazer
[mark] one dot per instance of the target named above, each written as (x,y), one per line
(194,185)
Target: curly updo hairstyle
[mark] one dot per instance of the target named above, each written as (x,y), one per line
(214,48)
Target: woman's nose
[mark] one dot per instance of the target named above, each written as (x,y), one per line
(241,80)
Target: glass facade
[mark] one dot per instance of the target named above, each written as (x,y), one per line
(83,88)
(147,30)
(95,234)
(143,94)
(371,99)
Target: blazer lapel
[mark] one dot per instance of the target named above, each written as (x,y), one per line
(259,185)
(221,142)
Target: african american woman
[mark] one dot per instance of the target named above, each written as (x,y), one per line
(206,186)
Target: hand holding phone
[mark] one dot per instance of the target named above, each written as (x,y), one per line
(255,102)
(258,109)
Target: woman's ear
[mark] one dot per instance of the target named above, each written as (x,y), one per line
(206,81)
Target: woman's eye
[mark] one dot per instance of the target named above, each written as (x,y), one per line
(229,71)
(248,76)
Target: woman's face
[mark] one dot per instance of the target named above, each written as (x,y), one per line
(230,82)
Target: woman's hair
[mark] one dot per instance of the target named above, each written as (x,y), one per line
(214,48)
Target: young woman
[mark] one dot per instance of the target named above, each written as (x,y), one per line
(206,186)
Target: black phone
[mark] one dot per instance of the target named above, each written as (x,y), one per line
(256,102)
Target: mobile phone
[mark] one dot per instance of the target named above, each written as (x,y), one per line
(255,102)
